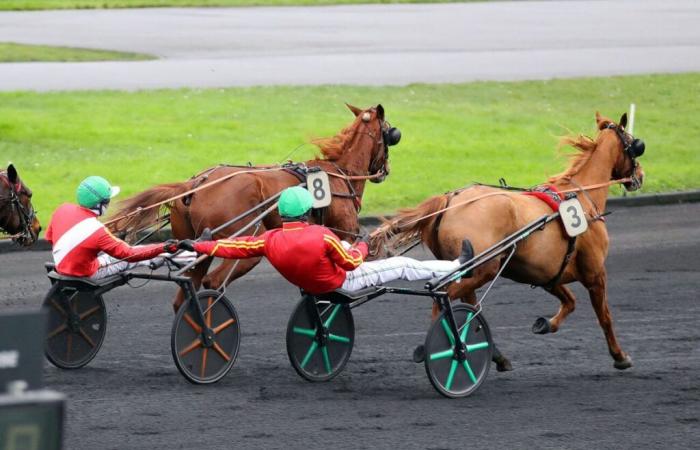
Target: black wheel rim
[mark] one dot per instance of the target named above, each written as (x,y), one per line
(77,324)
(313,358)
(198,363)
(449,376)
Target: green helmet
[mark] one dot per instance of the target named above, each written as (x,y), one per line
(95,190)
(295,202)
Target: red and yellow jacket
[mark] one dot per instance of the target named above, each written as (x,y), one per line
(77,238)
(309,256)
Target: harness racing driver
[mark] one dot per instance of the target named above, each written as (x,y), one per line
(313,258)
(78,238)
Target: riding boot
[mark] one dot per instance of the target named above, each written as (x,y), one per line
(466,254)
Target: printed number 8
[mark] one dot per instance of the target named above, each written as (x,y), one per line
(319,193)
(574,216)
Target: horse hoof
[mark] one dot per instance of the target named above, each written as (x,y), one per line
(626,363)
(419,354)
(541,326)
(503,364)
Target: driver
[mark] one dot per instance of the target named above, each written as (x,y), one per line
(78,238)
(315,259)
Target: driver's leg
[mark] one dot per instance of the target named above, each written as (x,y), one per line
(382,271)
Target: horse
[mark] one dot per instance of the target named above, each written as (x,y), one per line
(358,153)
(17,215)
(484,215)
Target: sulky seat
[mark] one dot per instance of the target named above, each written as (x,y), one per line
(344,297)
(87,284)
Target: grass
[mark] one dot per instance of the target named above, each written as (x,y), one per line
(70,4)
(452,134)
(11,52)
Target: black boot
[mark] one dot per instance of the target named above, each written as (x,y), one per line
(466,255)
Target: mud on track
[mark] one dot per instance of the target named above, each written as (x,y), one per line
(564,392)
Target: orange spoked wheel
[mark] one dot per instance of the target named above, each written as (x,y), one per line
(320,337)
(204,353)
(77,324)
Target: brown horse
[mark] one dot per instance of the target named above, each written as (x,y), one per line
(17,216)
(356,154)
(485,215)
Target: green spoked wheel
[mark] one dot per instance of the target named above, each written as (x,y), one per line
(199,359)
(451,375)
(320,355)
(77,324)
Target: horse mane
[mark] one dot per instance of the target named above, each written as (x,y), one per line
(585,146)
(332,148)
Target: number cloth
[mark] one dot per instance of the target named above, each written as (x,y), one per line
(77,238)
(315,259)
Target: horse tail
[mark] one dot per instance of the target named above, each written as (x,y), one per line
(410,224)
(134,213)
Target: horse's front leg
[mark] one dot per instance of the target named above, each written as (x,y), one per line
(599,299)
(228,271)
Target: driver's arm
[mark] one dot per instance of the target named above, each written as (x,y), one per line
(238,248)
(119,249)
(348,259)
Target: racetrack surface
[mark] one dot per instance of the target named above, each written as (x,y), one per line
(359,44)
(563,393)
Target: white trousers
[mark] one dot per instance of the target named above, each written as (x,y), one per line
(111,266)
(373,273)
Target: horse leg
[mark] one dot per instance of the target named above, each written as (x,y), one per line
(196,276)
(568,304)
(599,299)
(226,272)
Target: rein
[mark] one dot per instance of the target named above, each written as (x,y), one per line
(589,187)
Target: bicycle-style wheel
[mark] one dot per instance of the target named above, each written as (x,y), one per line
(448,375)
(320,356)
(206,359)
(77,325)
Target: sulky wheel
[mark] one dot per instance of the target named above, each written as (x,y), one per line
(320,356)
(450,375)
(77,324)
(198,362)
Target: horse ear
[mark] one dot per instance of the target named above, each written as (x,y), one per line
(355,110)
(623,121)
(12,174)
(601,121)
(380,112)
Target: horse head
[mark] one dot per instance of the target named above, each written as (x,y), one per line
(627,149)
(17,215)
(371,122)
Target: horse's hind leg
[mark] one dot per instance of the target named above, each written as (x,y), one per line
(599,299)
(465,290)
(568,304)
(226,272)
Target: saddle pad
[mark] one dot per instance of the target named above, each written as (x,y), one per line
(548,194)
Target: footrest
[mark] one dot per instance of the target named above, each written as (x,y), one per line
(344,297)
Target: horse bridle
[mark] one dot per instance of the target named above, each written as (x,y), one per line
(26,216)
(389,136)
(632,147)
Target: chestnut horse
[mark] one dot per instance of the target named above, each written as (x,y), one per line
(17,216)
(542,258)
(356,154)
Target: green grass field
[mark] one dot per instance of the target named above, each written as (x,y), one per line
(11,52)
(452,134)
(65,4)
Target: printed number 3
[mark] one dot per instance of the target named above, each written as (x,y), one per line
(571,210)
(319,193)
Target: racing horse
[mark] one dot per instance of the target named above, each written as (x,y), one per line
(357,153)
(485,215)
(17,215)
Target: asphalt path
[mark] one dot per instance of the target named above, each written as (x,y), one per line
(363,44)
(563,393)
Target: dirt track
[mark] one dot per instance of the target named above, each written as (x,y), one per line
(564,392)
